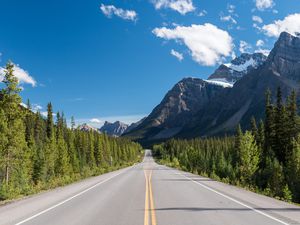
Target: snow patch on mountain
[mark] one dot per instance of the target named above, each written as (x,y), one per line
(242,67)
(220,82)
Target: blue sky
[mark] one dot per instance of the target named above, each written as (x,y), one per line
(109,60)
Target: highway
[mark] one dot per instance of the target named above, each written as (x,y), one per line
(149,194)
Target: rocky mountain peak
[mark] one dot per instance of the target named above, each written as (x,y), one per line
(238,67)
(284,59)
(86,127)
(114,129)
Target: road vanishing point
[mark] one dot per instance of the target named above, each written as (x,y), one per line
(149,194)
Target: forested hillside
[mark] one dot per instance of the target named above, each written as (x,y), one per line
(39,153)
(265,159)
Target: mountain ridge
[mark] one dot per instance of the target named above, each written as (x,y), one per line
(227,107)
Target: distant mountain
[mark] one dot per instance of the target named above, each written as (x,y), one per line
(86,127)
(114,129)
(231,95)
(237,68)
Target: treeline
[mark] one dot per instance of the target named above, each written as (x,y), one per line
(39,153)
(265,159)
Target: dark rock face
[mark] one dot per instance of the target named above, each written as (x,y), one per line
(134,125)
(179,105)
(114,129)
(238,67)
(284,59)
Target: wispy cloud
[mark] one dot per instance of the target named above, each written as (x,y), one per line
(202,13)
(257,19)
(181,6)
(260,43)
(111,10)
(207,43)
(177,55)
(244,47)
(264,4)
(95,120)
(228,18)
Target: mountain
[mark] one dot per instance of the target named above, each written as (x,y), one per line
(247,97)
(237,68)
(114,129)
(232,94)
(134,125)
(86,127)
(181,103)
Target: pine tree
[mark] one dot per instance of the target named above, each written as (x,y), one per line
(249,158)
(73,123)
(254,129)
(237,145)
(50,126)
(281,133)
(293,169)
(15,153)
(269,133)
(62,167)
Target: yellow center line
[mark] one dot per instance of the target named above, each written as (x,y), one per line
(152,208)
(146,217)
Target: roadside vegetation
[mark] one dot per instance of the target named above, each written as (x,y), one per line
(38,153)
(265,159)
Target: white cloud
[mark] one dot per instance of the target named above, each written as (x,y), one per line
(290,24)
(95,120)
(45,114)
(208,44)
(231,8)
(202,13)
(244,47)
(181,6)
(228,18)
(22,75)
(36,107)
(256,26)
(257,19)
(110,10)
(264,4)
(266,52)
(260,43)
(178,55)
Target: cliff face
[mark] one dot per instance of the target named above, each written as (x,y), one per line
(181,103)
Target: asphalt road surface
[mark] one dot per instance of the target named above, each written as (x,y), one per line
(149,194)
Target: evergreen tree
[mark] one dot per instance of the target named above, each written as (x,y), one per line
(249,158)
(254,129)
(50,126)
(281,138)
(73,123)
(15,151)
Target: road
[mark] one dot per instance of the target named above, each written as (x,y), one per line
(149,194)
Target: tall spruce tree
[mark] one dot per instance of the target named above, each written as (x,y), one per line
(249,158)
(15,152)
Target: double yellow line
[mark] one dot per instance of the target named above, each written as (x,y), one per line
(149,199)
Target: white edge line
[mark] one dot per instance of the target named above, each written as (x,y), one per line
(69,199)
(234,200)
